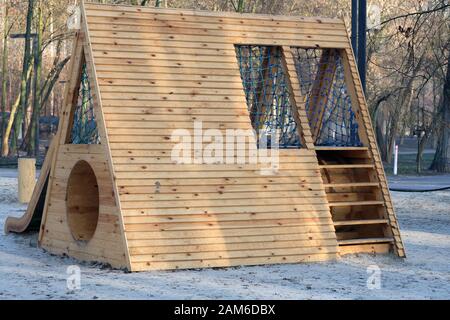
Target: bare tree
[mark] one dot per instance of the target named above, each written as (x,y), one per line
(6,32)
(441,162)
(17,114)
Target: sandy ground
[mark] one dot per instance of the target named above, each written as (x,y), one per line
(30,273)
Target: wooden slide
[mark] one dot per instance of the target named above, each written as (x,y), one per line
(31,220)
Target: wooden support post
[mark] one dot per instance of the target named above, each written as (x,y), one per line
(321,89)
(27,179)
(264,89)
(297,99)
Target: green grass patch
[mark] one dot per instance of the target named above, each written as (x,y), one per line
(407,165)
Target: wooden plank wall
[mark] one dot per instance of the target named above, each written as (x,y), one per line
(160,70)
(379,175)
(106,245)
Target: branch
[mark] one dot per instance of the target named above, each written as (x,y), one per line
(234,6)
(53,77)
(415,14)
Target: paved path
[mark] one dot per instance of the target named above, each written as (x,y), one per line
(418,183)
(12,173)
(407,151)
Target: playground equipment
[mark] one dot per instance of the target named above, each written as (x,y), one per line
(113,194)
(27,179)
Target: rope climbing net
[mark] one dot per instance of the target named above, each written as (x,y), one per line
(268,96)
(84,129)
(328,104)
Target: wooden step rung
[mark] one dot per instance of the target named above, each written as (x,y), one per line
(364,241)
(360,222)
(355,203)
(378,248)
(347,166)
(341,148)
(351,185)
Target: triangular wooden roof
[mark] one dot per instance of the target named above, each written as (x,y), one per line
(156,70)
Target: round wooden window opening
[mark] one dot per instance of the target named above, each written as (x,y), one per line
(82,202)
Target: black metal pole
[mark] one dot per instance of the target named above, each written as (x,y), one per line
(354,36)
(362,41)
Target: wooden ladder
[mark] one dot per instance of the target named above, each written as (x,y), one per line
(355,198)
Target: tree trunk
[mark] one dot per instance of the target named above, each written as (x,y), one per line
(158,4)
(404,102)
(5,145)
(24,85)
(441,161)
(33,142)
(420,147)
(380,139)
(53,77)
(47,88)
(4,71)
(240,7)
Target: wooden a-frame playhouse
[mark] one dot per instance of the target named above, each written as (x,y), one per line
(117,197)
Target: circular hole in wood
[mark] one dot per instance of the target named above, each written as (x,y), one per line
(82,202)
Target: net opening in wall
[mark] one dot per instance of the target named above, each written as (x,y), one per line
(82,202)
(328,103)
(84,126)
(268,95)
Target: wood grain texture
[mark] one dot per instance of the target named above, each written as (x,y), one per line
(57,237)
(162,70)
(153,71)
(106,244)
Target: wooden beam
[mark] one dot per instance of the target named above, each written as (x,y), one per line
(364,241)
(341,148)
(19,225)
(360,222)
(356,203)
(347,166)
(352,185)
(296,98)
(318,96)
(61,135)
(371,248)
(101,124)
